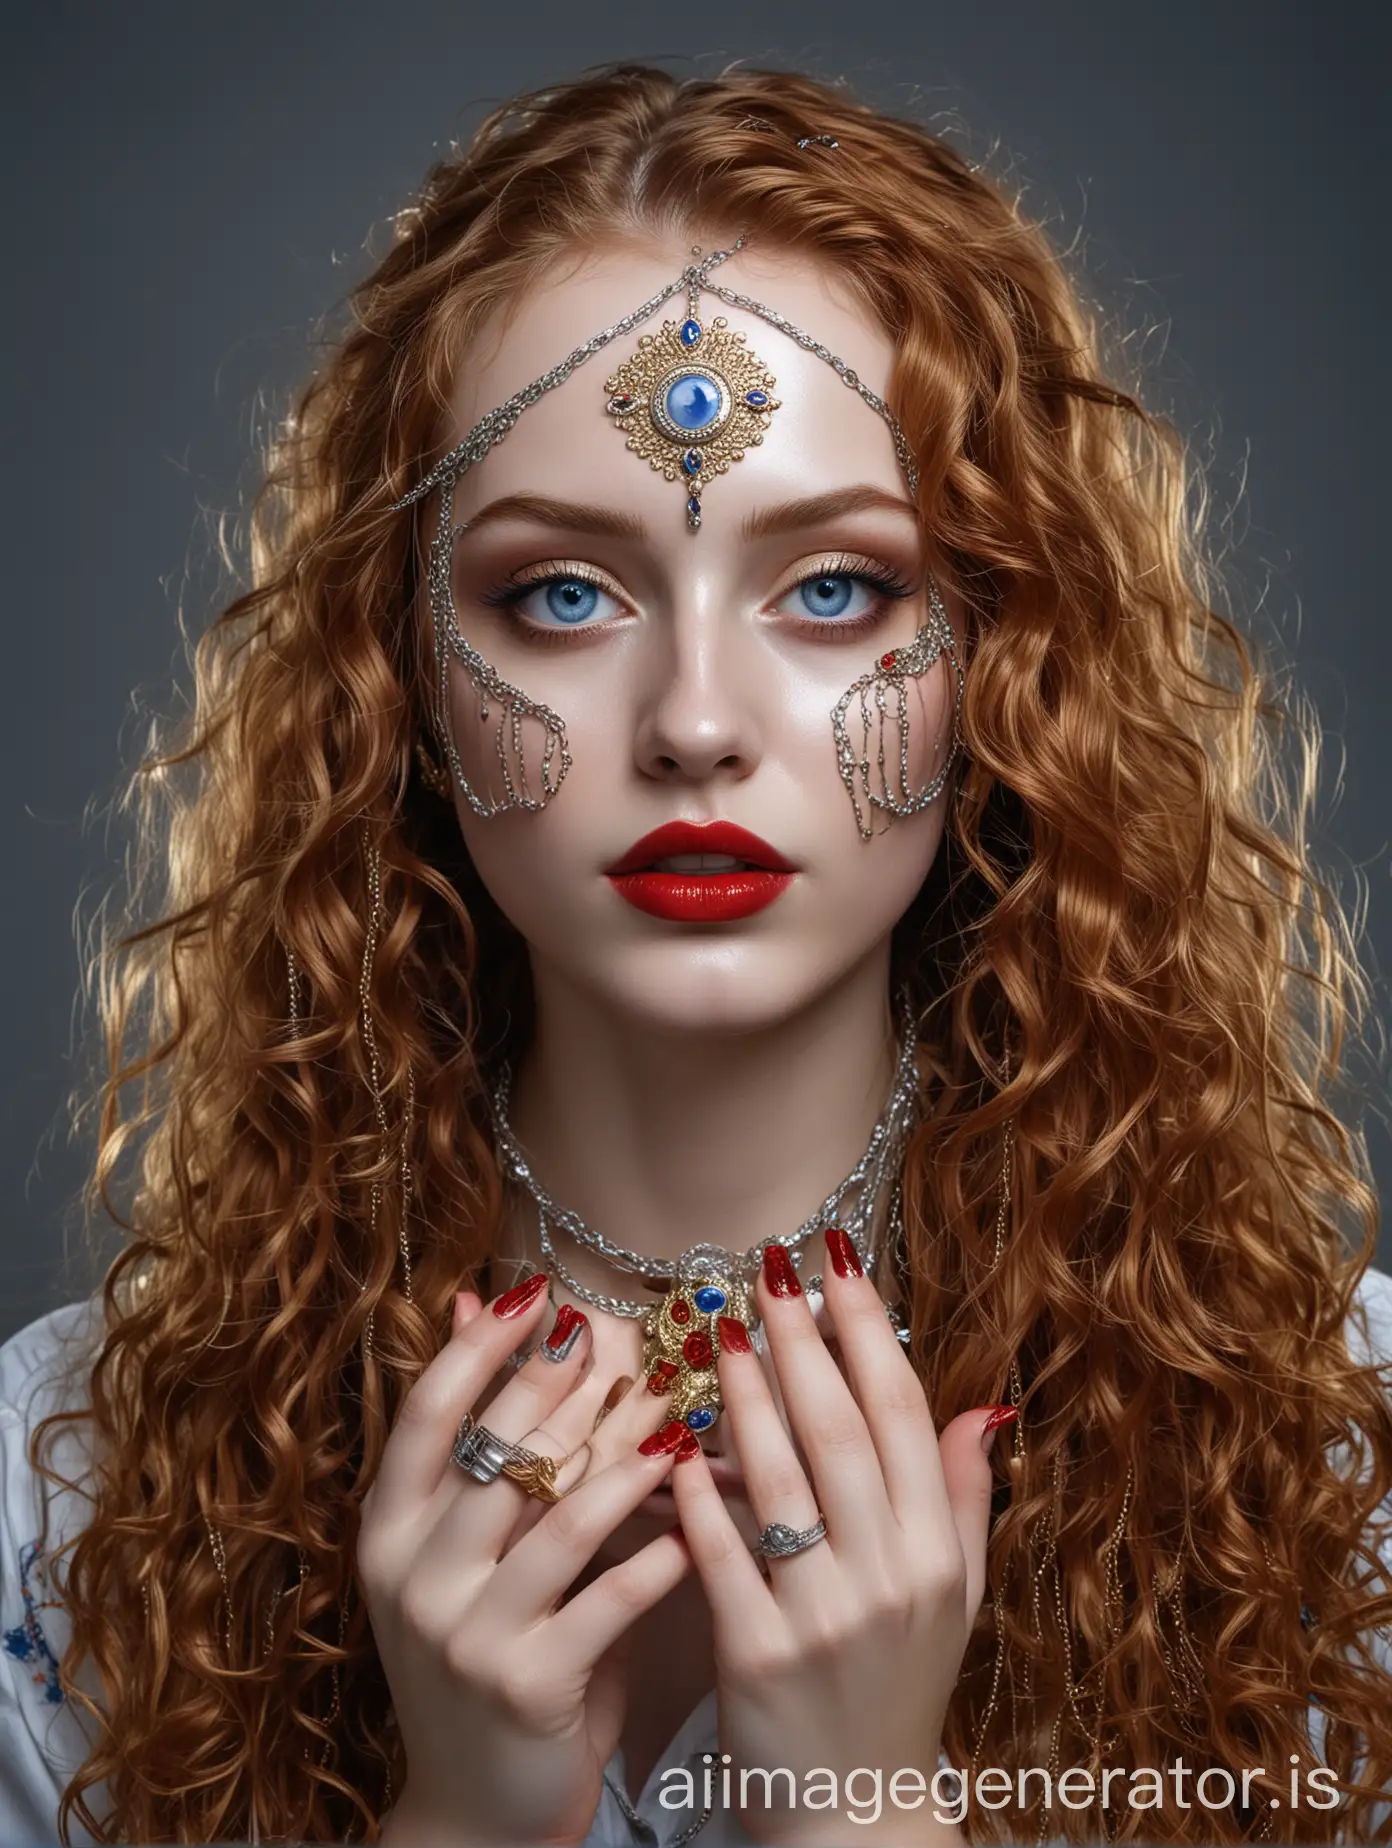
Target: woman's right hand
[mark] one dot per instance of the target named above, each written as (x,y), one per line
(510,1702)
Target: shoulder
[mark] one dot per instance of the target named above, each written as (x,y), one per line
(1370,1333)
(44,1368)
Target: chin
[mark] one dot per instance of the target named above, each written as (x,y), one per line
(712,984)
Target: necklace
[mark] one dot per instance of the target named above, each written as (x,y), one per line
(681,1338)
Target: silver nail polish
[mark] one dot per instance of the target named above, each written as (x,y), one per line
(562,1352)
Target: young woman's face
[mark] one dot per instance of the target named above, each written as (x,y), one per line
(696,672)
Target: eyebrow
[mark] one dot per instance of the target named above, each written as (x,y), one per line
(791,516)
(609,523)
(574,516)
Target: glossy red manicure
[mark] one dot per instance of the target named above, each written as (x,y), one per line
(779,1274)
(662,1443)
(1001,1415)
(689,1447)
(566,1329)
(732,1335)
(521,1296)
(845,1259)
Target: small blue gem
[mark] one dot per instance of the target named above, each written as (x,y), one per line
(691,461)
(708,1299)
(693,507)
(690,333)
(756,399)
(700,1418)
(693,402)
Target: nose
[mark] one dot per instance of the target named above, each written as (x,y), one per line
(699,723)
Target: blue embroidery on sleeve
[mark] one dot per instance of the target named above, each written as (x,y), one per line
(26,1642)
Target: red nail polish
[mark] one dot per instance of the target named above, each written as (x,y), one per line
(662,1443)
(569,1320)
(845,1259)
(689,1447)
(1001,1415)
(732,1335)
(779,1274)
(521,1296)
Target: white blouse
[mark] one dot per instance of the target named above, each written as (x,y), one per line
(44,1739)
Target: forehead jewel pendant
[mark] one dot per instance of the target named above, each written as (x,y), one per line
(692,399)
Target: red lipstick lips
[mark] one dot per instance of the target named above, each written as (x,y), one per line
(700,873)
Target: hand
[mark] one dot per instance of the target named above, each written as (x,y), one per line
(510,1701)
(845,1657)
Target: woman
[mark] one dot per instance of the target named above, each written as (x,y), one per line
(736,1193)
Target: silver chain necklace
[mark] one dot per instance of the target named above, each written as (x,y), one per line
(850,1205)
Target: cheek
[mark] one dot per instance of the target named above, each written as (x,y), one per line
(513,748)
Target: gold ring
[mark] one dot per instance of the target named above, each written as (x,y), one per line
(536,1474)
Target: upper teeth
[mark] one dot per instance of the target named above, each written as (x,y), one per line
(698,863)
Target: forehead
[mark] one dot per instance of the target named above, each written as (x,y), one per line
(822,437)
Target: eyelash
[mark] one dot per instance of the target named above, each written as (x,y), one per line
(879,579)
(886,585)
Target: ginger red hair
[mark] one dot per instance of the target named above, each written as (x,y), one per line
(1124,907)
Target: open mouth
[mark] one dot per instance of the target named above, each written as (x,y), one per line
(701,873)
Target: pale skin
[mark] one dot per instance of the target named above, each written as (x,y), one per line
(685,1082)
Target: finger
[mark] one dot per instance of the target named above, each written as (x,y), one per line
(827,1422)
(774,1479)
(550,1374)
(476,1520)
(966,1447)
(416,1454)
(742,1603)
(594,1440)
(596,1619)
(533,1577)
(467,1304)
(886,1388)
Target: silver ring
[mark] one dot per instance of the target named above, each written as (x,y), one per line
(479,1452)
(779,1541)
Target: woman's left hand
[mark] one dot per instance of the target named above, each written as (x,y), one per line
(844,1658)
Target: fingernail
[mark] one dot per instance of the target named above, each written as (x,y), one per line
(621,1388)
(521,1296)
(845,1259)
(689,1447)
(779,1274)
(1001,1415)
(662,1443)
(732,1335)
(566,1330)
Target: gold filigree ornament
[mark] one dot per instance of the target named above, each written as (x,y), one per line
(691,401)
(680,1336)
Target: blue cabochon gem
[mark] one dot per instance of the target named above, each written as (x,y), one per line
(700,1418)
(708,1299)
(756,400)
(690,333)
(691,461)
(693,402)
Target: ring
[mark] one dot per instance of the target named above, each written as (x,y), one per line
(479,1452)
(537,1474)
(779,1541)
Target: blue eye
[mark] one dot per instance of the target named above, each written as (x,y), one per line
(565,602)
(835,594)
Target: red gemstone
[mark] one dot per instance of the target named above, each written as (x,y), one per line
(681,1310)
(888,660)
(697,1350)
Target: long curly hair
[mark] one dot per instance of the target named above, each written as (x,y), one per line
(1126,963)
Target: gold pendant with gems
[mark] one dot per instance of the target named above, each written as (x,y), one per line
(680,1338)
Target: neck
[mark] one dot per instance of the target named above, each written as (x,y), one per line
(662,1138)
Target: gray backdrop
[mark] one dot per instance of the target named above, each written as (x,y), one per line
(192,184)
